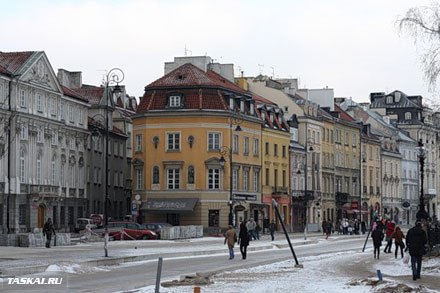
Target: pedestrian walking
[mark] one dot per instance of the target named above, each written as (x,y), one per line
(230,239)
(377,236)
(243,240)
(415,243)
(389,226)
(250,225)
(272,230)
(328,229)
(398,241)
(324,227)
(363,227)
(257,231)
(48,230)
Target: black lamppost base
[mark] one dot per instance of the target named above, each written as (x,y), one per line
(422,214)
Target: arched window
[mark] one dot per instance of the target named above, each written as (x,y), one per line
(155,175)
(191,175)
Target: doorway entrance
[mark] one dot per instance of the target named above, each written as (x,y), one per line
(41,209)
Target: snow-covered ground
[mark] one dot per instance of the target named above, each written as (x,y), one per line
(342,272)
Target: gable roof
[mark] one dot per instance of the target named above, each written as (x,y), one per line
(343,115)
(13,61)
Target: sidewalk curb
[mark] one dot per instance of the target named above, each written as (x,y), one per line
(109,261)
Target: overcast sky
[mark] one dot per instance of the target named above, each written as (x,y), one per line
(351,46)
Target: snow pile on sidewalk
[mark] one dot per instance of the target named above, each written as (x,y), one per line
(324,273)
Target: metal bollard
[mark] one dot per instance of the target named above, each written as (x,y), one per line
(159,272)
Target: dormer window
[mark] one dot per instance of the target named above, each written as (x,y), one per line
(408,116)
(175,101)
(390,99)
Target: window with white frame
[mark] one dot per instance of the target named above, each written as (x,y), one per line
(62,112)
(62,175)
(121,179)
(22,98)
(256,146)
(22,170)
(38,175)
(24,132)
(245,180)
(138,142)
(129,140)
(214,178)
(116,178)
(116,148)
(214,141)
(173,141)
(246,145)
(39,102)
(139,179)
(175,101)
(53,175)
(235,147)
(54,138)
(70,110)
(81,116)
(235,179)
(121,149)
(256,180)
(408,116)
(173,178)
(52,106)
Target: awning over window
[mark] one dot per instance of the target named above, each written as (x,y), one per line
(172,205)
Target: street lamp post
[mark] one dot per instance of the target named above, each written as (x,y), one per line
(227,152)
(112,79)
(421,214)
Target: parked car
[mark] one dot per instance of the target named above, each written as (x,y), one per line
(157,227)
(127,231)
(81,224)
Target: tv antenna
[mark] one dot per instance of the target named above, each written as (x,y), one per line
(186,51)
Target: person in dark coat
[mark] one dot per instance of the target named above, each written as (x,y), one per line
(243,240)
(398,240)
(415,243)
(272,230)
(377,236)
(48,229)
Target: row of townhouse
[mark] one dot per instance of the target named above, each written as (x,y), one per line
(213,150)
(51,146)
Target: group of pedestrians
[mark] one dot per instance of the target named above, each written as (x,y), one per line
(248,231)
(416,239)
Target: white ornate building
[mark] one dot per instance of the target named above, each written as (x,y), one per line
(43,128)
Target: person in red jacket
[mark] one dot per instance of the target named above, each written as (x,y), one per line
(389,226)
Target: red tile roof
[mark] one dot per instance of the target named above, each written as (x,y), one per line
(93,94)
(343,115)
(12,61)
(201,90)
(73,94)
